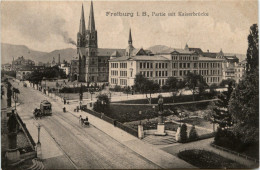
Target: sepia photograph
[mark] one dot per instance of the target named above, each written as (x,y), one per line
(129,84)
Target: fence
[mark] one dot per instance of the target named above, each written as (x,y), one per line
(113,122)
(235,153)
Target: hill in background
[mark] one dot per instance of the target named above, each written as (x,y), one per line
(8,51)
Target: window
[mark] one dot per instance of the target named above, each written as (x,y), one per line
(162,65)
(180,73)
(151,74)
(166,73)
(180,65)
(188,65)
(163,73)
(159,65)
(156,73)
(148,65)
(166,65)
(159,73)
(156,65)
(144,65)
(151,65)
(141,65)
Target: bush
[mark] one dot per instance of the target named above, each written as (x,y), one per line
(193,133)
(183,133)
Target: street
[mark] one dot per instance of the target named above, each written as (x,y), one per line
(86,148)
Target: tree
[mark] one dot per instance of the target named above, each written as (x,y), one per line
(221,114)
(127,90)
(212,89)
(195,83)
(9,94)
(102,103)
(143,85)
(151,87)
(253,50)
(225,82)
(244,108)
(81,93)
(193,133)
(183,133)
(140,83)
(171,83)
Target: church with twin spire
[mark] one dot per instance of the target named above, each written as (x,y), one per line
(91,63)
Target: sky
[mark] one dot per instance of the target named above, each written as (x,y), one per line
(47,26)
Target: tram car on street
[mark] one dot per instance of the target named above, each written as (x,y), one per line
(44,110)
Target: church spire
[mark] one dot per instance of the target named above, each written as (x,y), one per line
(91,21)
(82,26)
(130,38)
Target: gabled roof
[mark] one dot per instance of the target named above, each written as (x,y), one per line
(109,51)
(182,51)
(198,50)
(167,51)
(123,58)
(231,57)
(209,54)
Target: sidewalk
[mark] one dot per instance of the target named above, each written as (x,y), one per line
(48,146)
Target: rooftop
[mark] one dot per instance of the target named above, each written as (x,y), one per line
(141,57)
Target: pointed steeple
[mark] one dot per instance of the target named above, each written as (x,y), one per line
(186,47)
(130,38)
(91,21)
(82,26)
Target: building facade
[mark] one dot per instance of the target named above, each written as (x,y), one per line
(176,63)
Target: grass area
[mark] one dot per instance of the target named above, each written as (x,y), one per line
(124,113)
(206,159)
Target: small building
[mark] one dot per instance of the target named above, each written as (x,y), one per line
(6,67)
(21,62)
(23,72)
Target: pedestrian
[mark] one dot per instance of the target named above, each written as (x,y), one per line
(64,101)
(80,119)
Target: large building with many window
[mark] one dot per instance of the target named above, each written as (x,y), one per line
(176,63)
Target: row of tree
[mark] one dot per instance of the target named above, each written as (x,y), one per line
(49,73)
(192,81)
